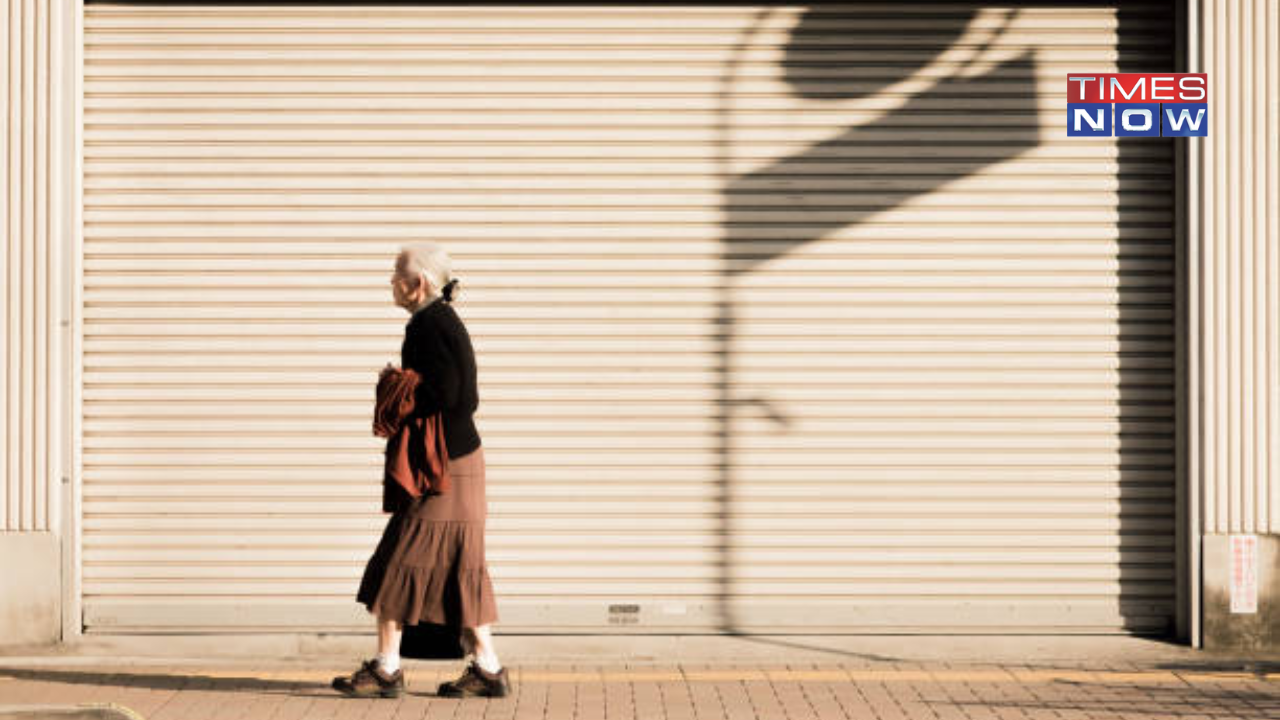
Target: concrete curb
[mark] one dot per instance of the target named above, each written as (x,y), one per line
(88,711)
(660,649)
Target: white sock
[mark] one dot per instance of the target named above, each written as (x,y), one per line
(389,663)
(488,662)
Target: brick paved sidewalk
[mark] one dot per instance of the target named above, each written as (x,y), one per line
(884,691)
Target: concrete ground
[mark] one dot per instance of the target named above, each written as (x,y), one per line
(651,677)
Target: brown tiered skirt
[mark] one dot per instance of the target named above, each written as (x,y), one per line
(429,566)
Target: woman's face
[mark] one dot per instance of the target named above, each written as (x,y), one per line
(408,290)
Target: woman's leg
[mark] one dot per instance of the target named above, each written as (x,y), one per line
(491,679)
(486,656)
(389,632)
(385,679)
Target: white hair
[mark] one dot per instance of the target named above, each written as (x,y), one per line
(429,261)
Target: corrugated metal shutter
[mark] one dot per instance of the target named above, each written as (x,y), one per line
(787,319)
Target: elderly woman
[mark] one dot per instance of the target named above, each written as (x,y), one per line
(430,564)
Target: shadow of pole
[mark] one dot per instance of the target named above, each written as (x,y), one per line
(723,334)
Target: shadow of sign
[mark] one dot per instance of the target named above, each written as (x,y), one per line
(860,155)
(864,171)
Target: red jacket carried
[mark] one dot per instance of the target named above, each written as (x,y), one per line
(417,459)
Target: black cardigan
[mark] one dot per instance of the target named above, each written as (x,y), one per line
(438,347)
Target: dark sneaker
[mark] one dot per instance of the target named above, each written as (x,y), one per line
(475,682)
(371,681)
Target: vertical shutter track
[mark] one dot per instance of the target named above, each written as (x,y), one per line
(785,319)
(27,271)
(1237,309)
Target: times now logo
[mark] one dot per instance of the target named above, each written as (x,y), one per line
(1138,104)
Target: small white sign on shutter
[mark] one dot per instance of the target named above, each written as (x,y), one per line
(1244,573)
